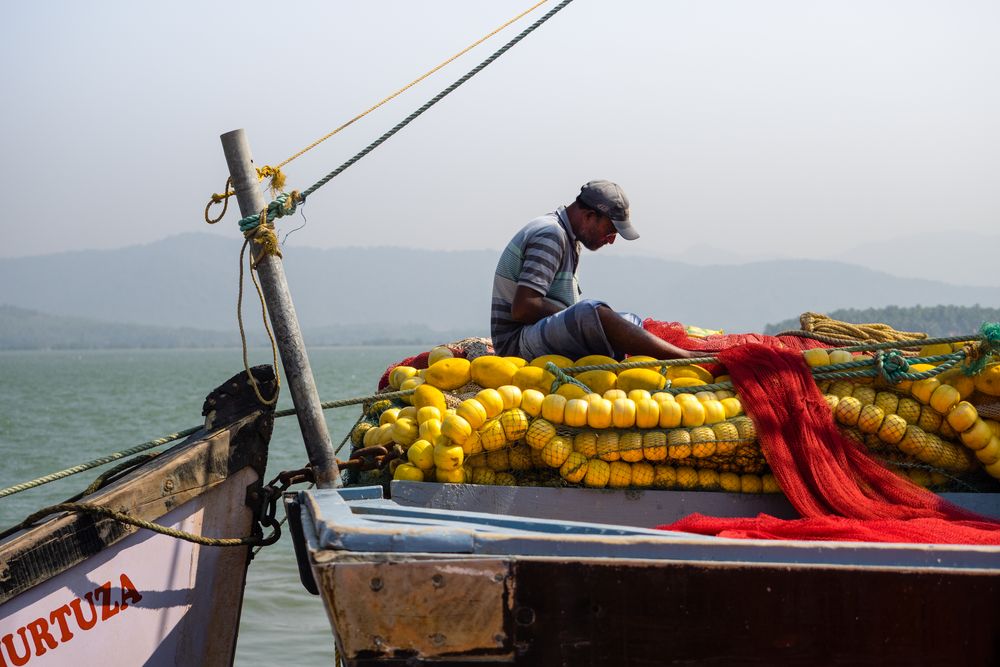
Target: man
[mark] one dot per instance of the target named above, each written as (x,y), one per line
(536,308)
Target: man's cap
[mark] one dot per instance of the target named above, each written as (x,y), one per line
(610,199)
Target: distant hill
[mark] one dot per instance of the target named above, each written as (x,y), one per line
(191,281)
(932,320)
(953,257)
(22,329)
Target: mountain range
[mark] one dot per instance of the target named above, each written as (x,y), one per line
(190,282)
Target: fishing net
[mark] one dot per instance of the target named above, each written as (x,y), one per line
(675,333)
(837,487)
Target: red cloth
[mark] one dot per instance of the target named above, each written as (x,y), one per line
(840,491)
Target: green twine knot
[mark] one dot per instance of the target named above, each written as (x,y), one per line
(989,343)
(284,204)
(891,365)
(564,378)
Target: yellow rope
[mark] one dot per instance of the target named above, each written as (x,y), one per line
(122,517)
(264,236)
(276,185)
(216,199)
(883,333)
(277,176)
(413,83)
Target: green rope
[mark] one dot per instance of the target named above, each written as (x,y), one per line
(869,367)
(891,365)
(907,344)
(427,105)
(625,365)
(718,386)
(350,401)
(283,205)
(149,444)
(989,343)
(563,378)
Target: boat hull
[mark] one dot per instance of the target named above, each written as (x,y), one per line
(457,584)
(92,590)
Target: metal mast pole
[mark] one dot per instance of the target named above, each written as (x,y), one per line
(283,319)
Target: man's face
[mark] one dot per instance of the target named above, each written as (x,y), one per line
(598,230)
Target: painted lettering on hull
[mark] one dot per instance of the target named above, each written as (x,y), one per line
(62,624)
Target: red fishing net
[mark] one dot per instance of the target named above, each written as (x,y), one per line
(840,491)
(674,332)
(418,362)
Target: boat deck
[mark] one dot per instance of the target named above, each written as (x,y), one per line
(533,522)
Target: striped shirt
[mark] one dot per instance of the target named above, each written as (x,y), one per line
(543,256)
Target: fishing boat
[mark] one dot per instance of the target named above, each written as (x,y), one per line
(148,566)
(497,572)
(88,581)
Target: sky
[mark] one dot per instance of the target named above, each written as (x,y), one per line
(774,127)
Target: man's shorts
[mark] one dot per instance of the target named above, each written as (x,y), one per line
(574,332)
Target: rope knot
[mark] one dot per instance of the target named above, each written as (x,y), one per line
(891,365)
(264,237)
(284,204)
(564,378)
(978,353)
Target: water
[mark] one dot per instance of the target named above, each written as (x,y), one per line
(58,409)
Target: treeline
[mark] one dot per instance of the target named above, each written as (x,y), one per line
(932,320)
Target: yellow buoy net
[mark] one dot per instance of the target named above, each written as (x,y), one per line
(929,431)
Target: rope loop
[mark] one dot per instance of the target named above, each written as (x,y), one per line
(219,199)
(268,240)
(564,378)
(891,365)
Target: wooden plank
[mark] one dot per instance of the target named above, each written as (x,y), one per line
(418,610)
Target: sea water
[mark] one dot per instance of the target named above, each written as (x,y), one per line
(61,408)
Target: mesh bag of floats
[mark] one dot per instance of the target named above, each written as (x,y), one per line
(840,431)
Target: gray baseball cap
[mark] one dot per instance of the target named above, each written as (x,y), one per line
(610,199)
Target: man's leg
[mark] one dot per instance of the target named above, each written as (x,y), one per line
(573,332)
(627,338)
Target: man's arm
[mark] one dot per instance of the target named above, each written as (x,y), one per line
(530,306)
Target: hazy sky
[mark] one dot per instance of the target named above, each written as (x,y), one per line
(793,127)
